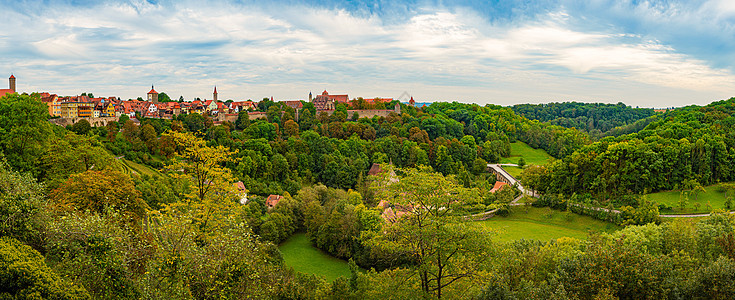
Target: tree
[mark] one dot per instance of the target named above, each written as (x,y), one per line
(97,191)
(22,206)
(521,162)
(243,120)
(82,127)
(24,131)
(201,164)
(291,128)
(163,97)
(444,248)
(25,275)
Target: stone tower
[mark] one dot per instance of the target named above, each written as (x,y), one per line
(11,81)
(215,94)
(153,95)
(310,96)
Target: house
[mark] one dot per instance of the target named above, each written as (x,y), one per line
(295,104)
(498,185)
(272,201)
(241,188)
(377,170)
(210,106)
(53,103)
(237,107)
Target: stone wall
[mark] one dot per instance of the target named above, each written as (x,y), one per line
(95,122)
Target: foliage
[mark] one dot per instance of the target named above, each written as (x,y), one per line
(97,191)
(443,247)
(24,131)
(22,206)
(25,275)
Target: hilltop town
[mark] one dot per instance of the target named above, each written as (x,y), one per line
(67,110)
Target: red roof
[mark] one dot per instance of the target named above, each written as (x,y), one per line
(375,170)
(498,185)
(215,89)
(12,77)
(273,200)
(5,92)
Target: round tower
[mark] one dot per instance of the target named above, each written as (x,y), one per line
(11,81)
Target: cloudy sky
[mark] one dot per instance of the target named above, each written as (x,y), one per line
(643,53)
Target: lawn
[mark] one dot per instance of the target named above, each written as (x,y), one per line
(544,224)
(302,256)
(671,198)
(532,156)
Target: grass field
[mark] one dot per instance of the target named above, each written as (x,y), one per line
(131,166)
(514,171)
(544,224)
(532,156)
(299,254)
(671,198)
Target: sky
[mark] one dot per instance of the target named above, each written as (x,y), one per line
(643,53)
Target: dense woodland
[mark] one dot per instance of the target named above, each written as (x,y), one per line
(78,224)
(598,119)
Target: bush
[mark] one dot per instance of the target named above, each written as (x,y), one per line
(25,275)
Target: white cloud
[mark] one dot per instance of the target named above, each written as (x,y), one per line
(252,52)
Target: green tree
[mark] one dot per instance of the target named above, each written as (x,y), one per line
(24,131)
(25,275)
(444,247)
(521,162)
(22,206)
(81,127)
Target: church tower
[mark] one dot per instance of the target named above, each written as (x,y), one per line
(310,96)
(12,82)
(215,94)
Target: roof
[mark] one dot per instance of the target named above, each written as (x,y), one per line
(498,185)
(272,200)
(215,89)
(375,170)
(152,91)
(5,92)
(12,77)
(240,186)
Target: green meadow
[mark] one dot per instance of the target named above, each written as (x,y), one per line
(302,256)
(532,156)
(714,197)
(544,224)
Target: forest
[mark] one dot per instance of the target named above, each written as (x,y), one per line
(148,209)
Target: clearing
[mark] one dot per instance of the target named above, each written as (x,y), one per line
(714,196)
(302,256)
(131,166)
(544,224)
(532,156)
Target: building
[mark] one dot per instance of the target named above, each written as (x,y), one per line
(325,101)
(498,186)
(54,105)
(214,95)
(241,188)
(412,102)
(272,201)
(11,87)
(153,95)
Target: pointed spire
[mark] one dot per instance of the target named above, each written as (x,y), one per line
(215,89)
(12,76)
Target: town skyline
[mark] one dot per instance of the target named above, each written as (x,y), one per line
(649,54)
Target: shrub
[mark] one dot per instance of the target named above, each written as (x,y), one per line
(25,275)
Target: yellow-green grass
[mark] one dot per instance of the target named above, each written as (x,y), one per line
(712,197)
(513,171)
(139,168)
(544,224)
(302,256)
(531,156)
